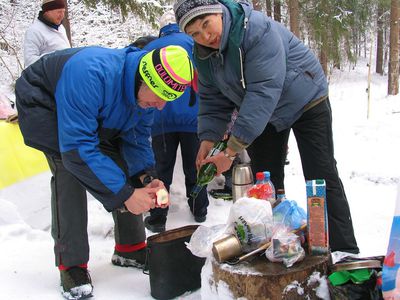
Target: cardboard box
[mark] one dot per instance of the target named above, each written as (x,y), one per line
(317,218)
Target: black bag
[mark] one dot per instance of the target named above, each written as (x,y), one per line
(367,290)
(172,268)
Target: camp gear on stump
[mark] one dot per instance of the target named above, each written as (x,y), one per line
(355,279)
(172,268)
(230,258)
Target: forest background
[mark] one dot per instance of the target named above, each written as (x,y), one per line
(338,31)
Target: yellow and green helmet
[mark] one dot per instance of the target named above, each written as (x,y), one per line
(167,71)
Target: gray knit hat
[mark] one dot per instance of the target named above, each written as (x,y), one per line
(186,10)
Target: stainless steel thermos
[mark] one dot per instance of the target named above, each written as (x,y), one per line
(242,180)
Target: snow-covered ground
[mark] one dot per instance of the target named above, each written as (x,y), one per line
(368,161)
(366,151)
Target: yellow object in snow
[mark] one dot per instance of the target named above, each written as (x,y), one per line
(17,161)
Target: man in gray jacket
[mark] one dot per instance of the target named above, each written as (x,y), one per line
(250,62)
(46,34)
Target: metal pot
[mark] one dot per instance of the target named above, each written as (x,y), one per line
(242,180)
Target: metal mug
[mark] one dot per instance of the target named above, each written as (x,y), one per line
(226,248)
(242,180)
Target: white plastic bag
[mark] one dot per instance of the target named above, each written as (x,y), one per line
(251,221)
(201,241)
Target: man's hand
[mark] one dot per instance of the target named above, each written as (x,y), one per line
(156,183)
(205,148)
(142,200)
(222,162)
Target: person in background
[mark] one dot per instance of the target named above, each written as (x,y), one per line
(90,111)
(46,34)
(248,61)
(142,41)
(176,125)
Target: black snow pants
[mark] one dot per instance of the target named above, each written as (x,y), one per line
(313,132)
(165,147)
(70,214)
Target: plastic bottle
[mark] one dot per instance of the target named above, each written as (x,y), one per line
(207,171)
(270,190)
(391,264)
(263,188)
(259,178)
(280,194)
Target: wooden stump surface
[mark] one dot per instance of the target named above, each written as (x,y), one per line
(261,279)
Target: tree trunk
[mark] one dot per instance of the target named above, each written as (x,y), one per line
(393,81)
(269,7)
(261,280)
(277,10)
(66,23)
(294,17)
(323,56)
(379,42)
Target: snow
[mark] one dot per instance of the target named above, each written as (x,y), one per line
(366,150)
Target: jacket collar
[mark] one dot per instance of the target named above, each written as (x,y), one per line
(47,22)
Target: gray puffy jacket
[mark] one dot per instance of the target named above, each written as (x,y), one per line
(269,75)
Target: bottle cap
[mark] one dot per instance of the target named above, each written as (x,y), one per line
(259,176)
(267,174)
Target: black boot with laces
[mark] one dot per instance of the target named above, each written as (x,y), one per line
(76,283)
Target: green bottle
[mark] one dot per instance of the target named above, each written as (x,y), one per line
(207,171)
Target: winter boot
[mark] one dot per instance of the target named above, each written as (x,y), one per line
(200,219)
(155,223)
(135,259)
(76,283)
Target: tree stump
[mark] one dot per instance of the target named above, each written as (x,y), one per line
(261,279)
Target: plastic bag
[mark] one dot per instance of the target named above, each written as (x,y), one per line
(291,215)
(251,221)
(202,239)
(367,290)
(285,247)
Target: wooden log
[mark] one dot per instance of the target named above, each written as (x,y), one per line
(261,279)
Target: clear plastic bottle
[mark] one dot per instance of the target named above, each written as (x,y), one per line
(280,196)
(263,188)
(259,178)
(270,191)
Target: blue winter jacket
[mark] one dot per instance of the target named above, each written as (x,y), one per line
(262,69)
(176,116)
(71,100)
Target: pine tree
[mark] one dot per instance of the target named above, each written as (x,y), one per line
(294,17)
(393,81)
(146,10)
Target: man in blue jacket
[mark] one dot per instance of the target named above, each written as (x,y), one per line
(176,125)
(90,110)
(248,61)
